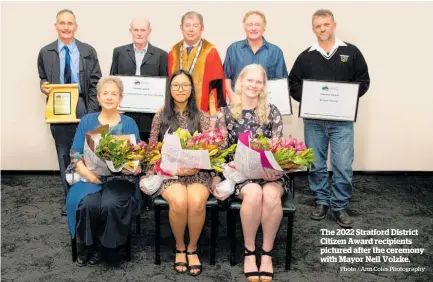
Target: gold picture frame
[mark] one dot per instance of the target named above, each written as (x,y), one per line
(62,104)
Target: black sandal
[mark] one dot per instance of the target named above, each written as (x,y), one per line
(176,264)
(191,267)
(264,273)
(253,273)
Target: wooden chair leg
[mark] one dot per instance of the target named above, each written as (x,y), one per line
(232,227)
(74,248)
(157,211)
(214,235)
(289,241)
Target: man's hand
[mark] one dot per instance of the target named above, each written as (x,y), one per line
(46,88)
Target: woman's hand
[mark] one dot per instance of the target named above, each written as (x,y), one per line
(269,175)
(93,178)
(128,172)
(187,171)
(215,193)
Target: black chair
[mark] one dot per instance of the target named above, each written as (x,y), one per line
(289,209)
(211,205)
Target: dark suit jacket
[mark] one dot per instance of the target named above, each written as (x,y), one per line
(90,71)
(154,64)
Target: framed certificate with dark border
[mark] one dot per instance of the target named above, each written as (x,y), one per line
(143,94)
(329,100)
(62,104)
(279,95)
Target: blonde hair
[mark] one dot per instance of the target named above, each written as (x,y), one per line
(110,78)
(255,13)
(262,109)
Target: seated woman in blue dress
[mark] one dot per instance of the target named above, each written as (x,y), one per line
(100,208)
(261,198)
(187,195)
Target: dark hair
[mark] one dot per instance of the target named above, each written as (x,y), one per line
(169,119)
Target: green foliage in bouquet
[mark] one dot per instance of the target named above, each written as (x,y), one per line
(119,151)
(218,158)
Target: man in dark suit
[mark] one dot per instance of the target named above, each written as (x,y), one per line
(142,59)
(65,61)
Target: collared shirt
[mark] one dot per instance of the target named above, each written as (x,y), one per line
(185,45)
(139,55)
(316,47)
(75,62)
(240,54)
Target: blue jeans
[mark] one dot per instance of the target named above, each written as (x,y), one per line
(339,134)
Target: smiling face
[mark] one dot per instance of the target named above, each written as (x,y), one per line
(191,30)
(324,28)
(180,89)
(66,27)
(252,83)
(254,27)
(109,96)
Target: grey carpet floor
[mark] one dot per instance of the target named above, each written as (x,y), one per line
(36,246)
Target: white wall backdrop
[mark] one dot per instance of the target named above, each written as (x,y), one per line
(394,130)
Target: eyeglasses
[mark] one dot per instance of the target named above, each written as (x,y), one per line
(184,86)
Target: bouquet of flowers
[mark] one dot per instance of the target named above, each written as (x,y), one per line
(289,153)
(258,154)
(121,151)
(211,140)
(183,150)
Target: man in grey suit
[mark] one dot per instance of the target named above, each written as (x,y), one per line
(142,59)
(65,61)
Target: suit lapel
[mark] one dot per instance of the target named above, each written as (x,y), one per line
(131,53)
(148,54)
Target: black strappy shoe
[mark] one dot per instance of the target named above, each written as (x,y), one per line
(249,275)
(181,263)
(269,275)
(191,267)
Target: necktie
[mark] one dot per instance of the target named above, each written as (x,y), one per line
(68,71)
(188,49)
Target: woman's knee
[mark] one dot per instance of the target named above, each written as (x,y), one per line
(197,198)
(176,197)
(252,194)
(272,195)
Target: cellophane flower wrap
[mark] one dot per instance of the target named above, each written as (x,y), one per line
(255,154)
(121,151)
(214,157)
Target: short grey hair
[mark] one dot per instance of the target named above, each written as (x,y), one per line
(323,13)
(110,78)
(192,14)
(66,11)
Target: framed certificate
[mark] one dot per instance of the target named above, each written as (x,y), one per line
(329,100)
(279,95)
(142,94)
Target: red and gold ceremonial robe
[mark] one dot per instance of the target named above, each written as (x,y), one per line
(205,66)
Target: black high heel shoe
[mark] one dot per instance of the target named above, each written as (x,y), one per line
(269,275)
(191,267)
(181,263)
(254,275)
